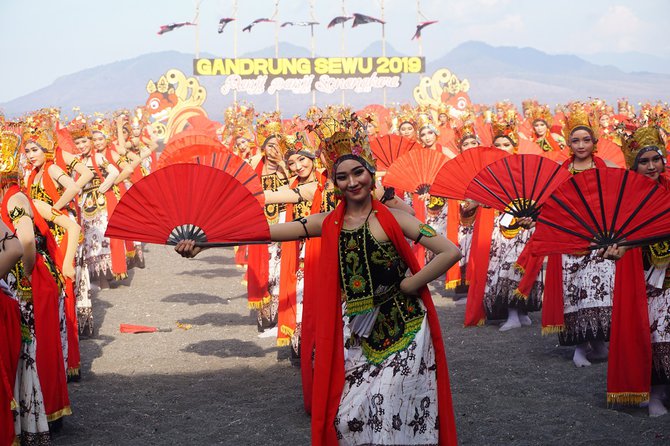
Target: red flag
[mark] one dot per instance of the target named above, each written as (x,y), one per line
(360,19)
(252,24)
(339,19)
(223,22)
(420,26)
(172,26)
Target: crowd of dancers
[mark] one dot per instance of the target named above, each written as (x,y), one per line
(61,182)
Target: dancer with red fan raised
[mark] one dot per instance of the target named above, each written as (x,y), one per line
(364,257)
(578,288)
(510,233)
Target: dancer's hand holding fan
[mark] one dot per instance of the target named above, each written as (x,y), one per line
(517,185)
(189,202)
(600,208)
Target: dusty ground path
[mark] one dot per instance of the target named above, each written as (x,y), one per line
(218,383)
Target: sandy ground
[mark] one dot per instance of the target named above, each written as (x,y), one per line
(218,383)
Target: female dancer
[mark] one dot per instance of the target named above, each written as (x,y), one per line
(265,262)
(509,238)
(380,368)
(93,204)
(645,154)
(50,184)
(36,283)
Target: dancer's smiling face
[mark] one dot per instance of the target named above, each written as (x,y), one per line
(354,180)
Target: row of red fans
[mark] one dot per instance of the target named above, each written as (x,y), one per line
(206,193)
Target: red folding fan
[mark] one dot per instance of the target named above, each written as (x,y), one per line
(188,153)
(218,156)
(189,201)
(527,147)
(454,177)
(518,184)
(609,151)
(557,155)
(188,138)
(601,207)
(389,148)
(415,171)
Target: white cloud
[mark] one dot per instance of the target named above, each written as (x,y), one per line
(619,29)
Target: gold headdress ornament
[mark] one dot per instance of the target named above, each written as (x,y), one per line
(506,126)
(466,129)
(267,126)
(528,106)
(78,128)
(10,142)
(443,109)
(538,112)
(239,122)
(38,129)
(297,143)
(578,116)
(101,125)
(425,120)
(405,114)
(343,139)
(643,140)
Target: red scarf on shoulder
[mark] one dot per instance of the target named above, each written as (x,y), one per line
(329,355)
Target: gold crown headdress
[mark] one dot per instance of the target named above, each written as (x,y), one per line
(101,125)
(578,116)
(297,143)
(38,129)
(425,120)
(643,140)
(406,114)
(506,126)
(343,138)
(238,122)
(267,126)
(539,112)
(10,142)
(78,128)
(466,129)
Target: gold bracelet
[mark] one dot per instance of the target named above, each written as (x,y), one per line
(54,213)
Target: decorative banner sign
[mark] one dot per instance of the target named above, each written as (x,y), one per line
(172,101)
(299,74)
(443,87)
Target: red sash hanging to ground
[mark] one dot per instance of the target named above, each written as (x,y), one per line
(329,356)
(478,266)
(73,353)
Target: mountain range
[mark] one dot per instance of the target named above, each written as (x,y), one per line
(495,73)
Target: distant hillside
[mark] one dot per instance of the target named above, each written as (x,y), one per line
(495,73)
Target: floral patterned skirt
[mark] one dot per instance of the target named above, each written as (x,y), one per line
(393,403)
(659,320)
(503,278)
(465,242)
(588,284)
(97,254)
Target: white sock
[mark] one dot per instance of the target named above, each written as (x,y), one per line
(525,320)
(512,320)
(656,407)
(579,358)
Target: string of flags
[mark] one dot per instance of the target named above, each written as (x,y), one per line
(358,19)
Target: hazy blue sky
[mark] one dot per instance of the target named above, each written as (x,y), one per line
(41,40)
